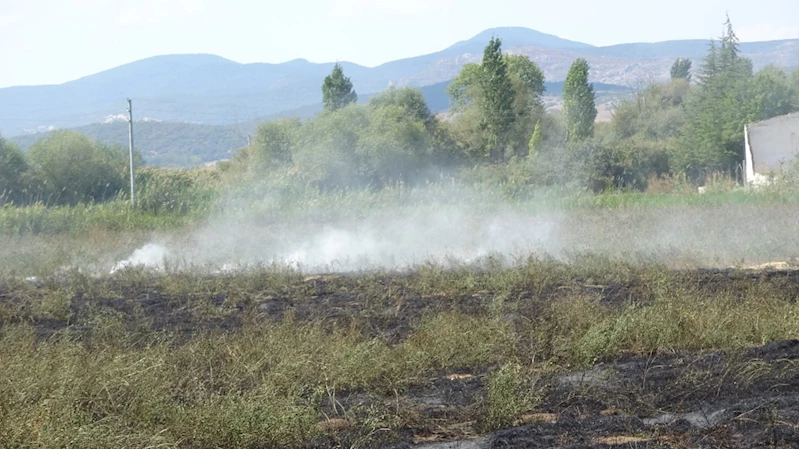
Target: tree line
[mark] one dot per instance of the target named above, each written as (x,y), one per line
(691,125)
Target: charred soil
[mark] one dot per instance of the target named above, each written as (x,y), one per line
(688,391)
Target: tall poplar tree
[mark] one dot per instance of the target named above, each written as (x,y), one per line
(579,103)
(497,105)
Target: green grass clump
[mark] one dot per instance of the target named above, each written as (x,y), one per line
(687,322)
(511,391)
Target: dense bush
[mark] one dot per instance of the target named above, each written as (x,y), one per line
(394,138)
(274,142)
(165,191)
(72,169)
(325,149)
(13,173)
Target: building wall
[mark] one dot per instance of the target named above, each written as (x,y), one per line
(771,146)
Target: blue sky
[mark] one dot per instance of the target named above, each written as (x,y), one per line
(53,41)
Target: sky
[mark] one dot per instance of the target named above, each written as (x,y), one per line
(54,41)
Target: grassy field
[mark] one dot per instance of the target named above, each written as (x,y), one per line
(541,318)
(273,358)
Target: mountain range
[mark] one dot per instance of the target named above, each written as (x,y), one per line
(211,90)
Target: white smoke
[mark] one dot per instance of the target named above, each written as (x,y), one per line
(389,242)
(464,230)
(149,256)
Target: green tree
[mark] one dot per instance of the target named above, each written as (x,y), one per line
(394,147)
(497,106)
(730,49)
(579,105)
(655,112)
(681,69)
(72,168)
(772,93)
(337,91)
(325,149)
(710,65)
(274,142)
(466,88)
(471,108)
(527,80)
(410,100)
(713,135)
(13,168)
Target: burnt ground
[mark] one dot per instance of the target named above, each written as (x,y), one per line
(734,399)
(713,400)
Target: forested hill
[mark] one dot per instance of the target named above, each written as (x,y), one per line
(170,144)
(213,90)
(178,144)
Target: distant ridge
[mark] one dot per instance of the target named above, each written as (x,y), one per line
(211,90)
(517,37)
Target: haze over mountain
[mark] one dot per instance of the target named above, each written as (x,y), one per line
(181,144)
(208,89)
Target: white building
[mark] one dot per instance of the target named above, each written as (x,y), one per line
(771,146)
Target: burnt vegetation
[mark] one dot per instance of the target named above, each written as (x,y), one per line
(597,354)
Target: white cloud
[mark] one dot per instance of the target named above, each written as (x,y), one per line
(149,12)
(757,33)
(359,8)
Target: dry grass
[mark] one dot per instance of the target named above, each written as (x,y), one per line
(84,362)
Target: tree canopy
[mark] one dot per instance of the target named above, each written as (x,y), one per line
(681,69)
(497,106)
(521,101)
(579,103)
(337,91)
(72,168)
(13,168)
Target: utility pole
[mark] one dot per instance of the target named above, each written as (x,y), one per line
(130,142)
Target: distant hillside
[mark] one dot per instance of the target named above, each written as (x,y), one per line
(212,90)
(177,144)
(163,143)
(437,99)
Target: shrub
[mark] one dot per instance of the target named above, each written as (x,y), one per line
(73,169)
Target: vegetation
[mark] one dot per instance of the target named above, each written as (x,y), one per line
(337,90)
(70,169)
(13,169)
(608,335)
(165,144)
(496,115)
(672,131)
(681,69)
(191,361)
(578,103)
